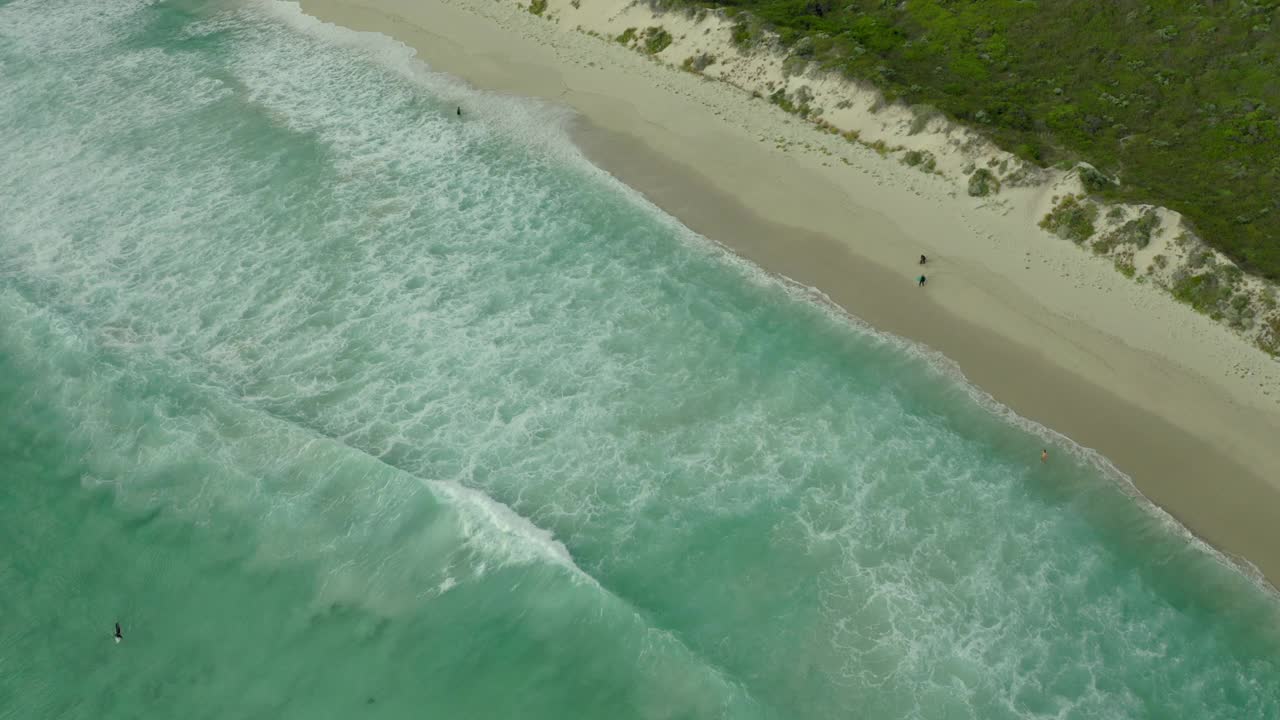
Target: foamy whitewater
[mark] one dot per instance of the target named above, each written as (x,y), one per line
(345,406)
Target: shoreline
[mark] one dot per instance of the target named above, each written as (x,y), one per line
(1057,341)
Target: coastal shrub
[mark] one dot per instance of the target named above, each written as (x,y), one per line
(743,36)
(1124,263)
(627,36)
(1135,232)
(922,159)
(1269,299)
(794,65)
(779,97)
(1094,181)
(1200,257)
(1071,219)
(1206,292)
(921,115)
(1239,312)
(698,63)
(656,39)
(1024,175)
(537,7)
(1269,339)
(983,182)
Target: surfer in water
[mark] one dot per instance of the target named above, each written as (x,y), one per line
(119,635)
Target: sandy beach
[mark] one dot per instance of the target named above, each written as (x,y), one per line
(1179,403)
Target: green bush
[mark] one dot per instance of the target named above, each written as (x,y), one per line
(1093,180)
(1072,219)
(627,36)
(983,182)
(794,65)
(1269,338)
(656,39)
(1124,263)
(537,7)
(698,63)
(922,159)
(1208,292)
(920,117)
(779,97)
(1135,232)
(1269,299)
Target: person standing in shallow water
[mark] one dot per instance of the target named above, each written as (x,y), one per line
(1044,455)
(119,636)
(459,111)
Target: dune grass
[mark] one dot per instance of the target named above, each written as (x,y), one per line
(1177,100)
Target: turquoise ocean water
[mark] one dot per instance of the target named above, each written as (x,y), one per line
(345,407)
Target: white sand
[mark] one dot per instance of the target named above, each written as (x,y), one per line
(1187,408)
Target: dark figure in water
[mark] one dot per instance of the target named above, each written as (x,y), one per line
(923,259)
(459,111)
(119,636)
(922,280)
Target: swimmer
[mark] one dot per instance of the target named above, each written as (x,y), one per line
(1044,455)
(119,635)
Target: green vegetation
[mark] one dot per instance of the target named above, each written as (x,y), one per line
(1124,263)
(698,63)
(1072,218)
(1269,340)
(983,182)
(537,7)
(656,39)
(1213,293)
(1136,232)
(1094,181)
(744,35)
(797,103)
(627,36)
(921,159)
(1176,103)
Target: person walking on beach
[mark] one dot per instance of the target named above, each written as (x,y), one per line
(922,280)
(923,260)
(119,636)
(1044,455)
